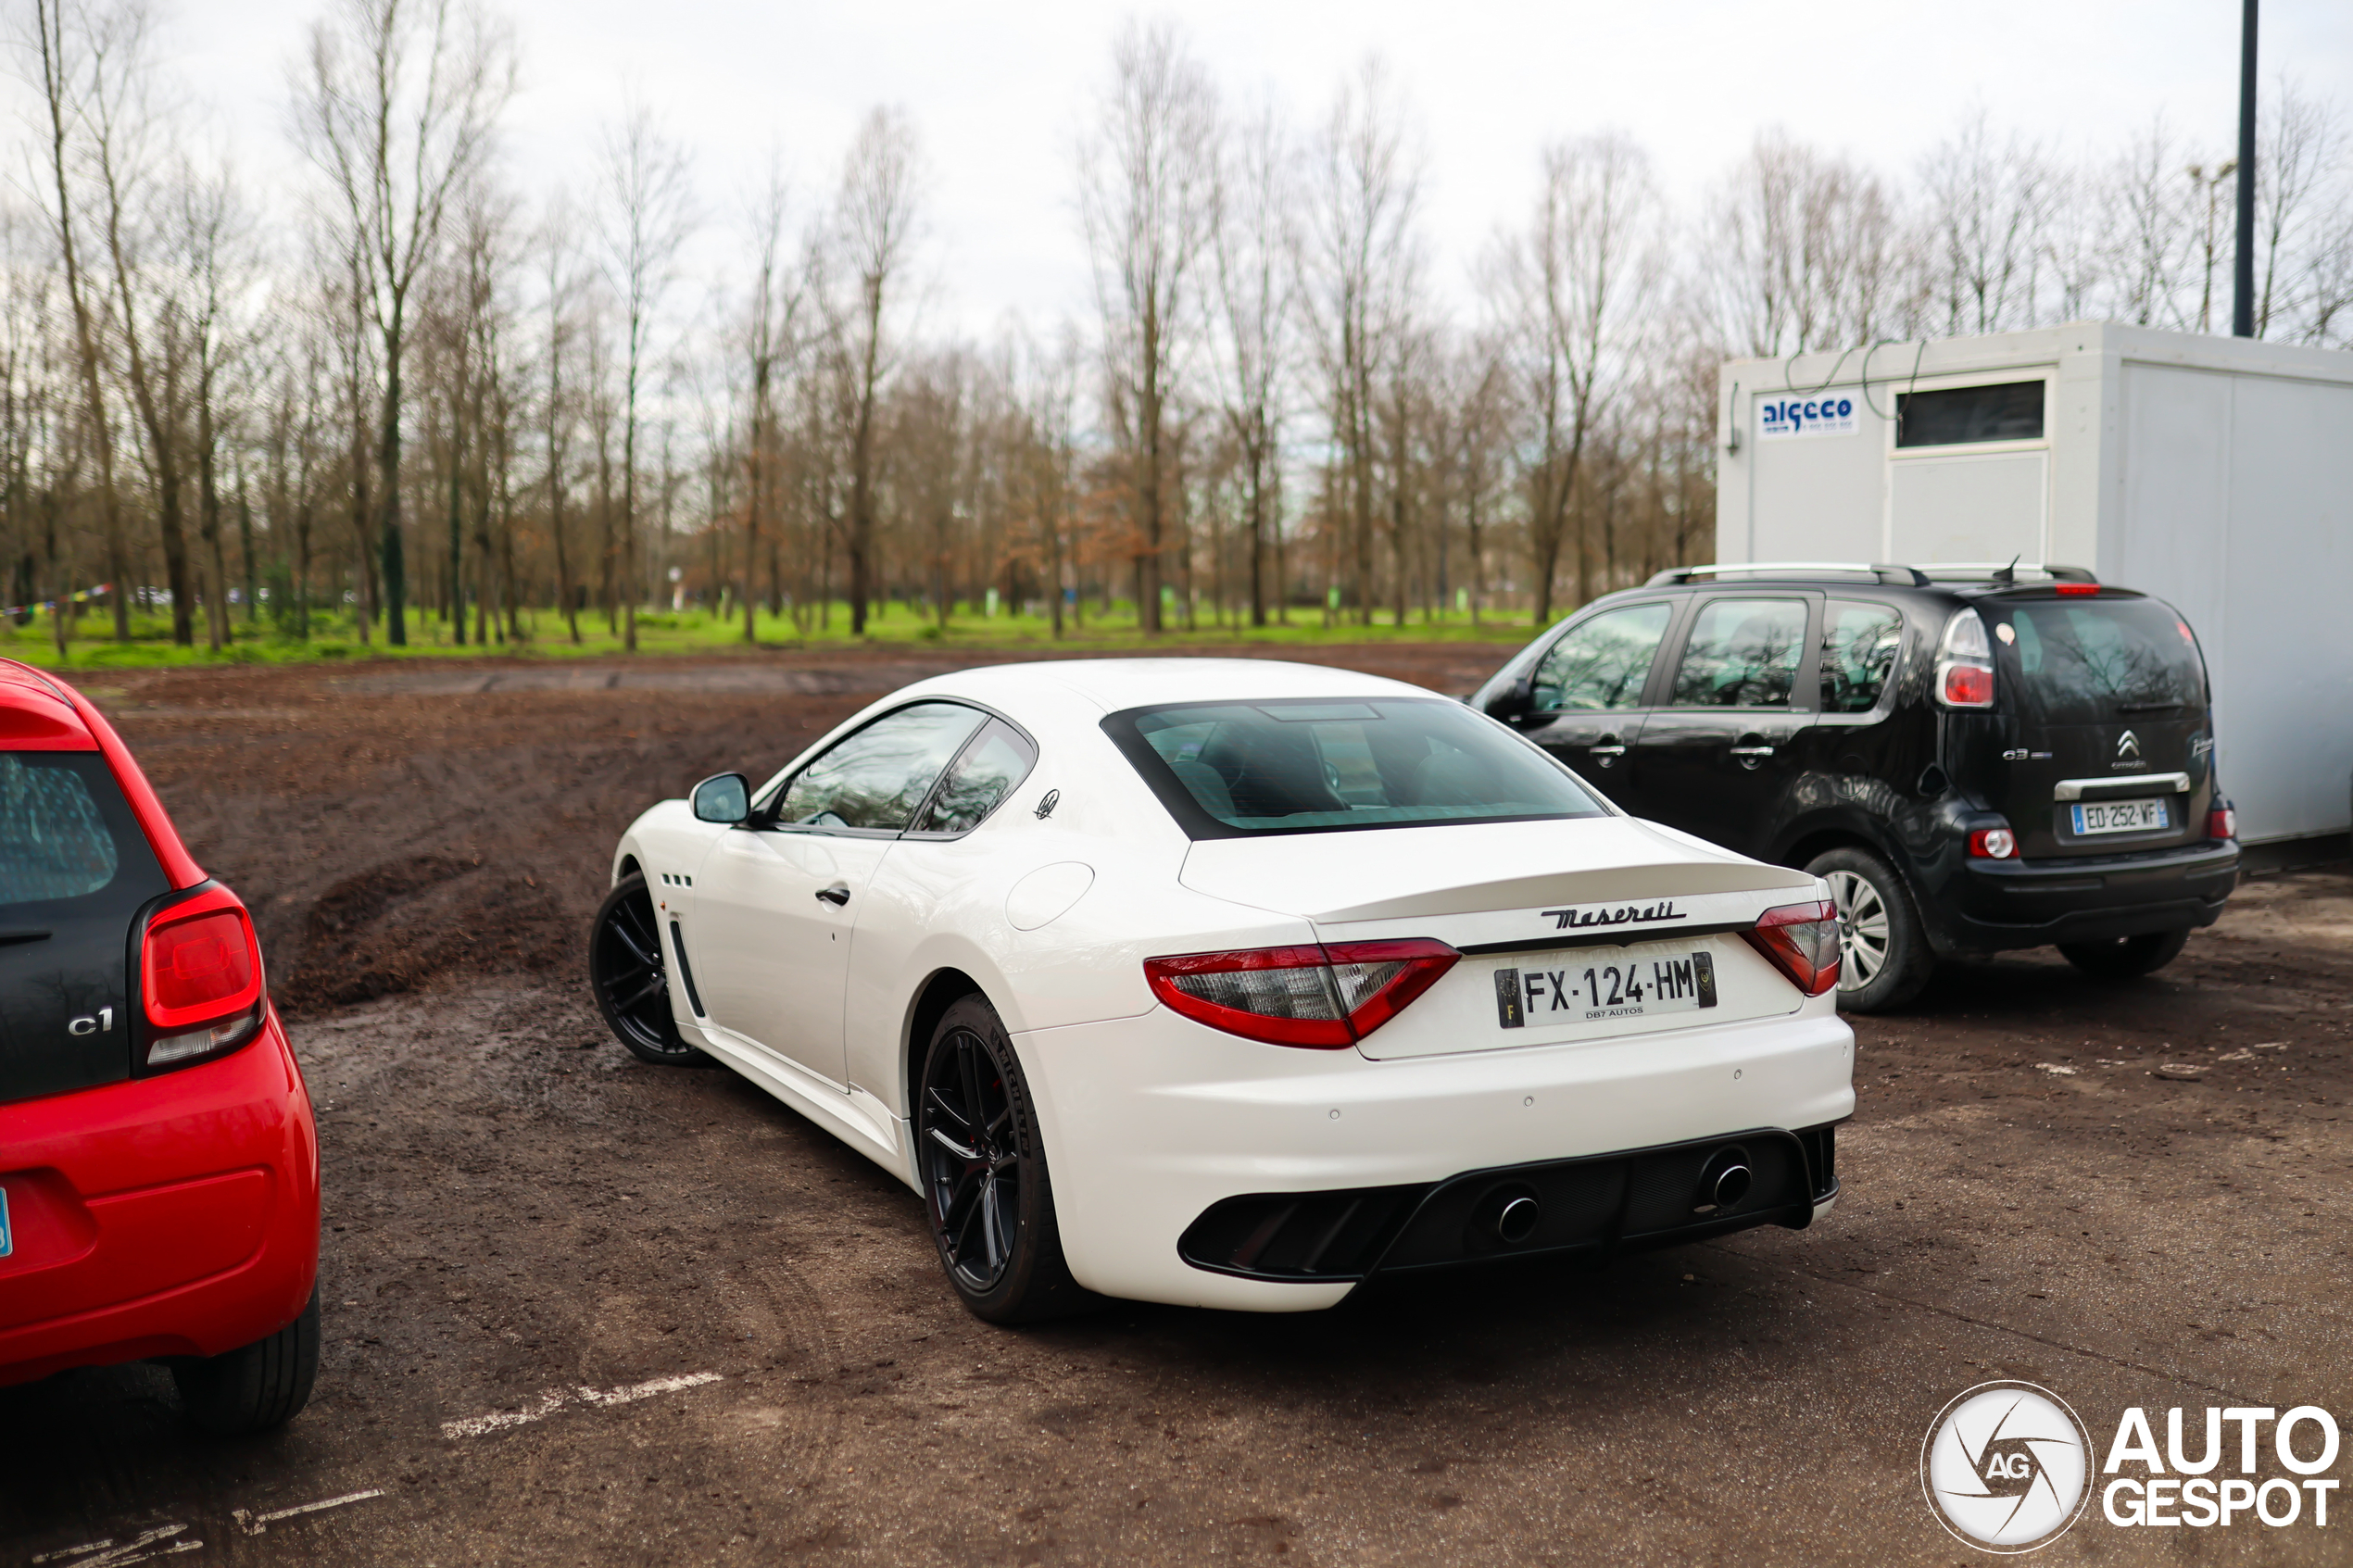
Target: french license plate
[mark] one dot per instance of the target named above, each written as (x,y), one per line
(2122,816)
(1580,987)
(7,1237)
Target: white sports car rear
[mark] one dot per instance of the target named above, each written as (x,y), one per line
(1233,983)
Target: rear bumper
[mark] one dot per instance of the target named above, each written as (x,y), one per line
(169,1216)
(1152,1120)
(1597,1206)
(2003,904)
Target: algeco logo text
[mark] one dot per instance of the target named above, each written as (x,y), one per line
(2008,1468)
(1781,417)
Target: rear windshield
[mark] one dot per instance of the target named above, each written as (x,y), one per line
(1229,769)
(2093,661)
(65,832)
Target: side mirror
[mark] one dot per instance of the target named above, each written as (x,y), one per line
(722,797)
(1508,699)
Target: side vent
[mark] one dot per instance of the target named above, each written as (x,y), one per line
(685,970)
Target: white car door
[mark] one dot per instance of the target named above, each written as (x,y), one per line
(777,897)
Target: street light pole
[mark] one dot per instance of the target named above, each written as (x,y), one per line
(2243,272)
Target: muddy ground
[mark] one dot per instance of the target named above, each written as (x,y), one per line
(716,1336)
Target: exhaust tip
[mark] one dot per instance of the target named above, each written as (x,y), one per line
(1724,1181)
(1516,1219)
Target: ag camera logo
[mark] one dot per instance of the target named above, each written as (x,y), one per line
(2006,1467)
(1781,417)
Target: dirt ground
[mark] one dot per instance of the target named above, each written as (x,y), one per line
(582,1309)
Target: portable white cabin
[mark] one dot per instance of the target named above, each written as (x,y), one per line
(2214,472)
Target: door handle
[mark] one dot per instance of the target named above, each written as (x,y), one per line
(837,894)
(1751,756)
(1606,753)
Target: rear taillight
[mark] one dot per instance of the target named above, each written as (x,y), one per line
(1965,663)
(2078,590)
(1322,997)
(200,979)
(1993,844)
(2222,822)
(1802,942)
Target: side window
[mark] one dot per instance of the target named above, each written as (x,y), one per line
(984,775)
(876,777)
(1741,653)
(1859,645)
(1603,663)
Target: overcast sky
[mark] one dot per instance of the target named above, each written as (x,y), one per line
(999,91)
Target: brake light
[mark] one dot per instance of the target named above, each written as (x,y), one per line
(1801,940)
(200,980)
(1322,997)
(2222,822)
(1968,686)
(2078,590)
(1993,844)
(1965,663)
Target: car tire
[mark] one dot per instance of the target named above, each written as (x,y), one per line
(2126,957)
(987,1198)
(629,973)
(1885,958)
(256,1387)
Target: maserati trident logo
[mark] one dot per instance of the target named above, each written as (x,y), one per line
(2128,745)
(2006,1467)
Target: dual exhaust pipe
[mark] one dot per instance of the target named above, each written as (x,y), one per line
(1509,1214)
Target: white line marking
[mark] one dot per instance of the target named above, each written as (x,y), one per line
(555,1399)
(108,1555)
(254,1523)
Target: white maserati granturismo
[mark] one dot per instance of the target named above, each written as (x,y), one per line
(1235,983)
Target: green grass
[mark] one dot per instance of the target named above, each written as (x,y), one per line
(91,645)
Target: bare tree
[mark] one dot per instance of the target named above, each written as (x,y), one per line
(1147,196)
(1802,250)
(69,58)
(2304,142)
(1581,282)
(1256,189)
(1364,199)
(398,103)
(874,235)
(1988,207)
(770,330)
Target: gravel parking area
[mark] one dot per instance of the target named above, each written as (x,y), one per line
(582,1309)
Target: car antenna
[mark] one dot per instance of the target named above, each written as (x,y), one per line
(2008,574)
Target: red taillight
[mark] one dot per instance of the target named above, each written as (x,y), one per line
(2222,822)
(1802,942)
(2078,590)
(1993,844)
(200,979)
(1321,998)
(1968,686)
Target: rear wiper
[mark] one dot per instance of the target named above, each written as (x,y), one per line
(21,933)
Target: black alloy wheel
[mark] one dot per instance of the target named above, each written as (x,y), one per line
(986,1190)
(628,971)
(2126,957)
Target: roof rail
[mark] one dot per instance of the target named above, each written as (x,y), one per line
(1903,576)
(2004,572)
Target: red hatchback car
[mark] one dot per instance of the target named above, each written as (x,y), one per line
(158,1160)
